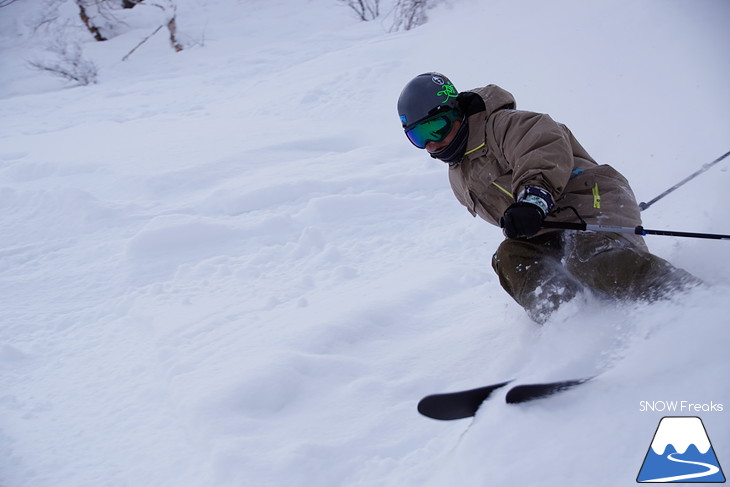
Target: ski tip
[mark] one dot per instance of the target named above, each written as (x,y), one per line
(456,405)
(432,407)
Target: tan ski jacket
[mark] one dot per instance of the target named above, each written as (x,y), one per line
(509,149)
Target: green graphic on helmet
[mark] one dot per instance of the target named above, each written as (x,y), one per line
(448,91)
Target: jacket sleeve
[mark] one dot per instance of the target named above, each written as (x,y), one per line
(536,148)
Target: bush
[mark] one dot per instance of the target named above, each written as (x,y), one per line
(68,63)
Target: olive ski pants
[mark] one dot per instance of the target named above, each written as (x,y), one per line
(543,272)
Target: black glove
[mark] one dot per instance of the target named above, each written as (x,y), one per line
(524,218)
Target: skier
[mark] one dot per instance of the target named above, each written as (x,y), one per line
(514,168)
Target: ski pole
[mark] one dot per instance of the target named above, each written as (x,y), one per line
(638,230)
(644,206)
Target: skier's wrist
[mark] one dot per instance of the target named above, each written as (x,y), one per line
(537,196)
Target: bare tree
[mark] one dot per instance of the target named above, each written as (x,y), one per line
(365,9)
(63,56)
(169,9)
(103,19)
(409,14)
(90,25)
(172,29)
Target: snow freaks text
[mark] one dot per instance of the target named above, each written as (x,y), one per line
(682,407)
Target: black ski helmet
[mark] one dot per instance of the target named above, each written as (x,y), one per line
(426,95)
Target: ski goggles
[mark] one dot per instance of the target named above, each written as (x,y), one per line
(433,129)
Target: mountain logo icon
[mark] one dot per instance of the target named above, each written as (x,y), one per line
(681,452)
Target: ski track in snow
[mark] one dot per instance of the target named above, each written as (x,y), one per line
(228,267)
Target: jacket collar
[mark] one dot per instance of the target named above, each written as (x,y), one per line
(478,105)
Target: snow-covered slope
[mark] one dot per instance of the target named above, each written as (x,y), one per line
(228,267)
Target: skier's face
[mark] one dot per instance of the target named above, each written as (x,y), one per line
(432,146)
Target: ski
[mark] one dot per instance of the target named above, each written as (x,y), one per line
(465,404)
(456,405)
(530,392)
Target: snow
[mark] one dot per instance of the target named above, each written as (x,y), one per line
(227,266)
(689,429)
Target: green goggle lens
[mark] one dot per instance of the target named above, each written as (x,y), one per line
(435,128)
